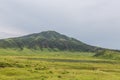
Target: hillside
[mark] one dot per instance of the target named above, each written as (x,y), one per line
(108,54)
(49,56)
(50,40)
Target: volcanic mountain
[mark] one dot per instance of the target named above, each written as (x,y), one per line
(50,40)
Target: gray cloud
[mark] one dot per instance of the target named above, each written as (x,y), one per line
(96,22)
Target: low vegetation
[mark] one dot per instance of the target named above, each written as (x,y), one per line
(44,65)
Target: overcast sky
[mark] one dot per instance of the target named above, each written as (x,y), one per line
(96,22)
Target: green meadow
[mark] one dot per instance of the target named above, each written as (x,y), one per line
(60,65)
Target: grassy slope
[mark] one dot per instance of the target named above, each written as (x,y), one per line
(37,65)
(108,54)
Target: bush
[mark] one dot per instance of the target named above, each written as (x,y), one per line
(5,64)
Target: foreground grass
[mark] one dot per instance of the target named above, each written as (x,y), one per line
(37,65)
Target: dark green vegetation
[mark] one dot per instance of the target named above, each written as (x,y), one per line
(51,40)
(44,65)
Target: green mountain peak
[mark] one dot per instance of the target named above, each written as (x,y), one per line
(47,39)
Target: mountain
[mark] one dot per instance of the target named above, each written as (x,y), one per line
(50,40)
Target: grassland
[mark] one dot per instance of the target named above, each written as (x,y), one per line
(37,65)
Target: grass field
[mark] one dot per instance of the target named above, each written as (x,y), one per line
(37,65)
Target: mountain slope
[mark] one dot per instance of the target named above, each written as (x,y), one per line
(48,39)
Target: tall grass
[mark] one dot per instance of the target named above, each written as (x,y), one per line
(45,65)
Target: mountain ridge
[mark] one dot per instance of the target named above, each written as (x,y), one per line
(51,40)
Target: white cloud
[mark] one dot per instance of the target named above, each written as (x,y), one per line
(6,32)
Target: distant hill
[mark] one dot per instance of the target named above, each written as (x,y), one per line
(50,40)
(109,54)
